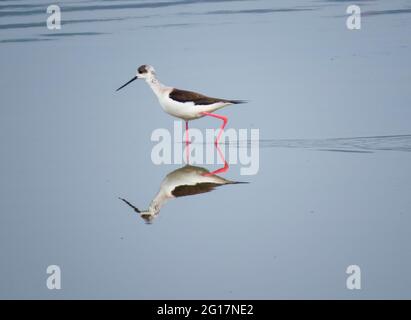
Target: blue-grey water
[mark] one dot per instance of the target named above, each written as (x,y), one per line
(333,107)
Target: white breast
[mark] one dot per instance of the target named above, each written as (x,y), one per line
(187,110)
(183,110)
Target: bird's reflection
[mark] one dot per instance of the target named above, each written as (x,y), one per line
(186,181)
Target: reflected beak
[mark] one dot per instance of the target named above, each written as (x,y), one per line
(132,206)
(135,78)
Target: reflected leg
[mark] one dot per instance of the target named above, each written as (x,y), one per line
(221,170)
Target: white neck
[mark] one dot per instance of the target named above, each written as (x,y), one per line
(157,203)
(155,85)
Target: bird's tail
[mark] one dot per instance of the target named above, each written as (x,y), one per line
(237,101)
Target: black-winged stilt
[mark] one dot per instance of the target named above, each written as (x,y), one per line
(183,104)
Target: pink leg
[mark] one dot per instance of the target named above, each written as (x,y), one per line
(187,145)
(221,128)
(187,133)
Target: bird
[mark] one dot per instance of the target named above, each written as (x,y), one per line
(183,104)
(186,181)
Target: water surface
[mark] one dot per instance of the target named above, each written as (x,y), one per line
(332,107)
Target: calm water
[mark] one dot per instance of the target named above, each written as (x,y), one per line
(333,108)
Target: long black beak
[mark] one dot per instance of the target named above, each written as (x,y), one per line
(135,78)
(134,208)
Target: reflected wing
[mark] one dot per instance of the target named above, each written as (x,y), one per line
(187,190)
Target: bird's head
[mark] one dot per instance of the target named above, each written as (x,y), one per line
(144,71)
(147,215)
(150,214)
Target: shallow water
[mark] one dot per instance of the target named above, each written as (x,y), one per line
(332,190)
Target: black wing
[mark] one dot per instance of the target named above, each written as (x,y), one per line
(197,98)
